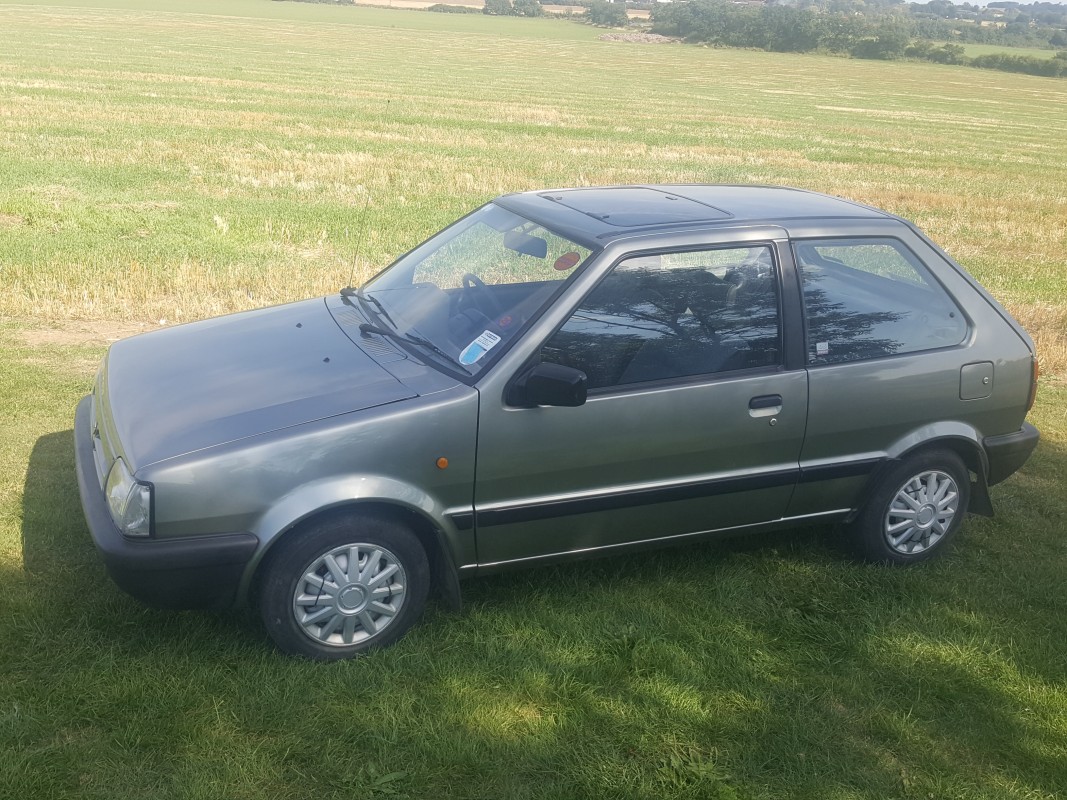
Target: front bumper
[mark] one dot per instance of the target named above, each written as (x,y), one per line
(1009,452)
(198,572)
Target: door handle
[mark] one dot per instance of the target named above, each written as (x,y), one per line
(765,405)
(765,401)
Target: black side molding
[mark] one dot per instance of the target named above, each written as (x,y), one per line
(641,497)
(463,520)
(848,469)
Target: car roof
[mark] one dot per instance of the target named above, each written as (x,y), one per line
(594,215)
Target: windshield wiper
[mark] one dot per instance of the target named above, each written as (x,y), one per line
(410,338)
(363,297)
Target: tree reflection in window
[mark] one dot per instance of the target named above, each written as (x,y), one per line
(868,298)
(836,334)
(655,319)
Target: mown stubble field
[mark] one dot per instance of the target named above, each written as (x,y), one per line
(163,162)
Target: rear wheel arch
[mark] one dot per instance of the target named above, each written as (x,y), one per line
(974,458)
(969,451)
(912,507)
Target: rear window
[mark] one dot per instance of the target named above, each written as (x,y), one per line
(868,298)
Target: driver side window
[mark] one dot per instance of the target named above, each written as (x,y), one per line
(675,315)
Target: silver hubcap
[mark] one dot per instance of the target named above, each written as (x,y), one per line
(921,513)
(350,594)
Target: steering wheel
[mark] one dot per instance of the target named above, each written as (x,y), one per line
(477,295)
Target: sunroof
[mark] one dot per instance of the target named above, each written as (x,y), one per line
(629,207)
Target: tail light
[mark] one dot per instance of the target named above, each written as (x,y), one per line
(1035,373)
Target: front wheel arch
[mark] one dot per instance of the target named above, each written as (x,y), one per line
(443,573)
(344,585)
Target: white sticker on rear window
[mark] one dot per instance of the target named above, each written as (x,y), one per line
(479,347)
(822,348)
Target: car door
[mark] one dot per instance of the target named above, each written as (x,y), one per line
(692,423)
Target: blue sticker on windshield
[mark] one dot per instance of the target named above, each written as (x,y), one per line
(478,348)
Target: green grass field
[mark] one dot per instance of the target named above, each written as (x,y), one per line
(973,50)
(162,162)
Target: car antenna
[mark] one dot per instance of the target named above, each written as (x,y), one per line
(359,240)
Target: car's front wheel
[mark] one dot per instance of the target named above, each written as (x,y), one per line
(344,586)
(914,510)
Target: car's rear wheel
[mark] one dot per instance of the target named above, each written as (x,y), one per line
(914,510)
(344,586)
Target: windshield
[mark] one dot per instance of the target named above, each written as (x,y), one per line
(473,286)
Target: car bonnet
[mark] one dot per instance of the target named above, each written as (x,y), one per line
(182,389)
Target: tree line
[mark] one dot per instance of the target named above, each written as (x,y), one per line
(790,29)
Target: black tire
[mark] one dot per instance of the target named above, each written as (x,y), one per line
(336,621)
(914,510)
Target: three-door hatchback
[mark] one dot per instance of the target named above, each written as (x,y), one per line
(557,374)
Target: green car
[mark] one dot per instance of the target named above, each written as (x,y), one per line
(556,375)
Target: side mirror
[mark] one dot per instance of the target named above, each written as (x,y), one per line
(549,385)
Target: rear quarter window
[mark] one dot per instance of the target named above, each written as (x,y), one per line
(869,298)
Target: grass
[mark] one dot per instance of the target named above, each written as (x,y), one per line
(973,50)
(170,161)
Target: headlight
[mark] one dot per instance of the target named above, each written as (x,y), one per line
(130,502)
